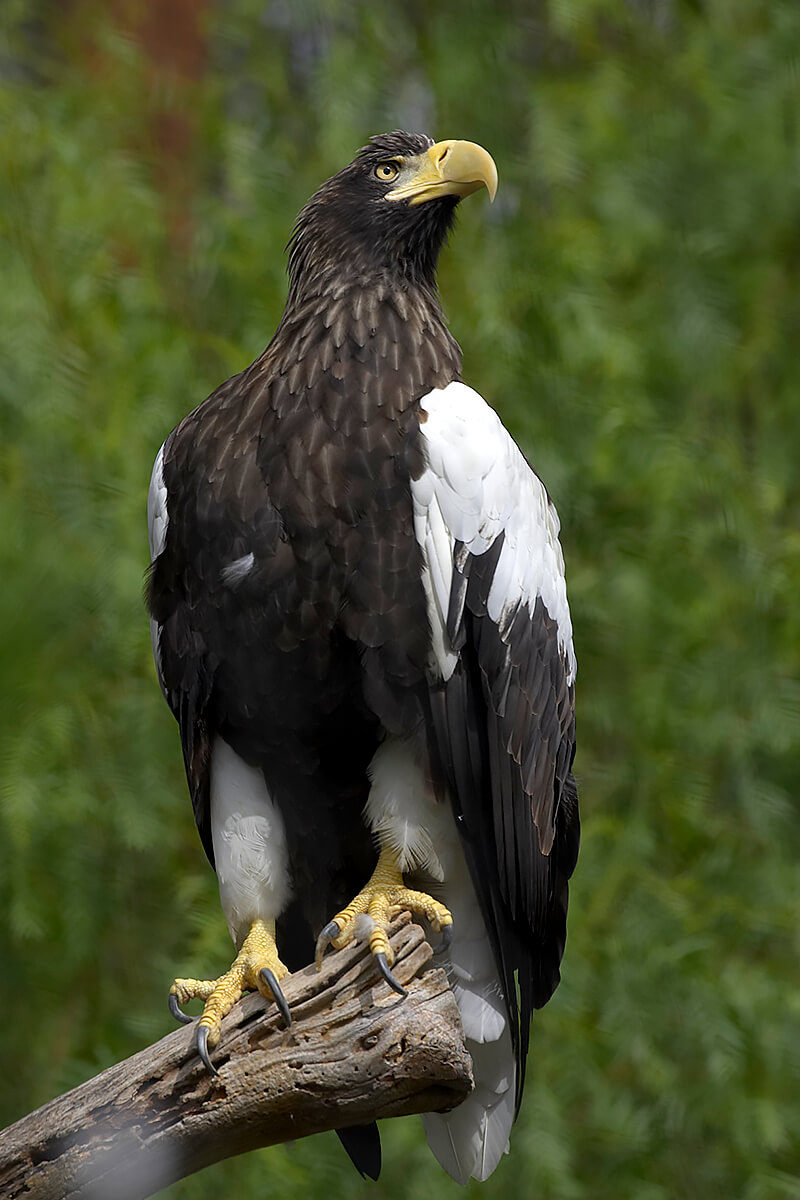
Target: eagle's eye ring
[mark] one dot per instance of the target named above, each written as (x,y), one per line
(386,171)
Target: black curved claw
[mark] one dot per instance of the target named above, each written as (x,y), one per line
(447,937)
(383,967)
(202,1048)
(277,994)
(324,940)
(177,1011)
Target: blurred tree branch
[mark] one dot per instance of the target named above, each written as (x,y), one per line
(355,1052)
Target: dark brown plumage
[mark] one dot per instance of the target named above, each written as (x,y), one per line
(304,459)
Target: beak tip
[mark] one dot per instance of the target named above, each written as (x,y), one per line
(492,180)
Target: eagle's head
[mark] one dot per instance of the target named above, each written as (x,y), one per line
(389,211)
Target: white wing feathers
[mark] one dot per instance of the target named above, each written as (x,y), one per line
(477,485)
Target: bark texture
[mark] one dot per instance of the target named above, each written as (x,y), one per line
(355,1052)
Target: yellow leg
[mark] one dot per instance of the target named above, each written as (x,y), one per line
(256,967)
(384,896)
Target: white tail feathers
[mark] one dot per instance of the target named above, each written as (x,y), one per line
(483,1016)
(404,814)
(470,1141)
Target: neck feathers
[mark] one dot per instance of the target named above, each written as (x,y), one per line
(361,343)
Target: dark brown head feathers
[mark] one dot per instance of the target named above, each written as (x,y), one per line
(348,229)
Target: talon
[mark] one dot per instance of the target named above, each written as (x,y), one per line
(371,911)
(256,964)
(177,1011)
(383,967)
(324,940)
(202,1048)
(277,994)
(447,937)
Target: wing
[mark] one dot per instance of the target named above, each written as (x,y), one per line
(186,696)
(209,518)
(502,676)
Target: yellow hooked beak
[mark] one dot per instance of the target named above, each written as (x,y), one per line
(447,169)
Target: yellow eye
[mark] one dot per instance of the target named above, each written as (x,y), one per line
(386,171)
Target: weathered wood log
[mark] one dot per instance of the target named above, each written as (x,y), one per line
(355,1052)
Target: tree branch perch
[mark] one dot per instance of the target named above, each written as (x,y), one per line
(355,1052)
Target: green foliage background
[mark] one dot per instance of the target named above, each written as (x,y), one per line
(631,306)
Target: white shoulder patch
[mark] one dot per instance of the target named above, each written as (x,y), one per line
(157,518)
(476,486)
(157,521)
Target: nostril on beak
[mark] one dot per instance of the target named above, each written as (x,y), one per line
(443,156)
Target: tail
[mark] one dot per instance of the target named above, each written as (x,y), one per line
(470,1141)
(403,812)
(363,1144)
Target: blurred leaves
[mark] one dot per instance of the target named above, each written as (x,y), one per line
(631,306)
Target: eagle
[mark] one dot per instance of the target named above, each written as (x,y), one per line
(360,622)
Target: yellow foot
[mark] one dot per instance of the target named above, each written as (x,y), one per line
(383,898)
(255,968)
